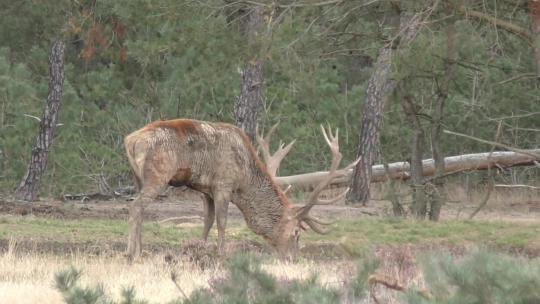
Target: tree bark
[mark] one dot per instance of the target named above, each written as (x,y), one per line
(247,104)
(401,170)
(531,35)
(246,107)
(419,206)
(392,196)
(379,87)
(438,197)
(28,189)
(534,17)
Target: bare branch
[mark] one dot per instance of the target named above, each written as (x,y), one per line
(323,3)
(496,144)
(34,117)
(491,182)
(517,186)
(392,283)
(506,25)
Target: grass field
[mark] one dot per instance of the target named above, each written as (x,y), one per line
(366,231)
(28,267)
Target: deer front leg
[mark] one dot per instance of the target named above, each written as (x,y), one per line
(209,215)
(221,202)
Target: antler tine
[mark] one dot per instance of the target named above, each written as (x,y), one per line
(287,189)
(333,142)
(260,138)
(320,222)
(272,129)
(315,223)
(272,160)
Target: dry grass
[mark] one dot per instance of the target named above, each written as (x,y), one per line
(506,204)
(27,277)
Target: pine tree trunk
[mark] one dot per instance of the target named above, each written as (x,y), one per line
(28,189)
(534,17)
(419,203)
(438,196)
(246,107)
(247,104)
(380,87)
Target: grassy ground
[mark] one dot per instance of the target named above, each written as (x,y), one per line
(367,231)
(26,274)
(29,277)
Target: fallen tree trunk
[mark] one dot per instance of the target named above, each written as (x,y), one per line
(400,170)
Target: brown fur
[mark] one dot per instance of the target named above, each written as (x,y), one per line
(181,126)
(218,160)
(262,167)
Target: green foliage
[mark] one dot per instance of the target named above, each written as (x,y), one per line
(245,282)
(67,283)
(367,264)
(479,277)
(132,61)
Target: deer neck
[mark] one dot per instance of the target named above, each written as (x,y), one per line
(263,205)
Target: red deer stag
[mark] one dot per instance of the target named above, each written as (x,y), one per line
(218,160)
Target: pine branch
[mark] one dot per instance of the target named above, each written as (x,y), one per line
(503,24)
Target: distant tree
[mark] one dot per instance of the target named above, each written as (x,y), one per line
(247,104)
(379,88)
(28,189)
(412,111)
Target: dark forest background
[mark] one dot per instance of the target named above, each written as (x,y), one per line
(129,62)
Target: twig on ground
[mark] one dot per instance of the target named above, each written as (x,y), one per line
(176,218)
(173,278)
(391,283)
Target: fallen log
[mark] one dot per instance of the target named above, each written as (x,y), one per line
(400,170)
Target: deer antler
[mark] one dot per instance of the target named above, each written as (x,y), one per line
(272,160)
(303,212)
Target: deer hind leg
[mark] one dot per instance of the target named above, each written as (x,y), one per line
(135,221)
(152,186)
(209,215)
(221,202)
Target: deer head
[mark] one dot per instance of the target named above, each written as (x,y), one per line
(298,218)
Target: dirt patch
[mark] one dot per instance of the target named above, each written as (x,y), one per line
(179,205)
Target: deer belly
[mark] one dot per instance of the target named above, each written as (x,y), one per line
(181,178)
